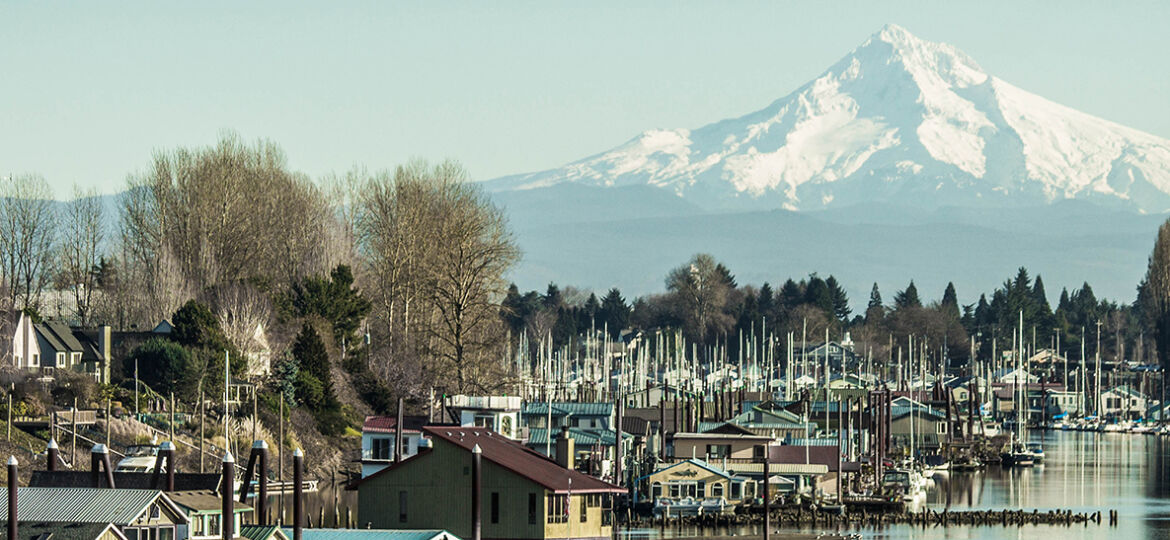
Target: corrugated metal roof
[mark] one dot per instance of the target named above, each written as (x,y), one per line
(82,505)
(371,534)
(580,436)
(263,532)
(516,458)
(63,531)
(569,408)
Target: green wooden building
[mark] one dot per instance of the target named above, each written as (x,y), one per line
(524,494)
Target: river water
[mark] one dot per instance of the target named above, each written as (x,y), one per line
(1083,472)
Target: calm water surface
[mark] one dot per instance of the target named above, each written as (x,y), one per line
(1083,472)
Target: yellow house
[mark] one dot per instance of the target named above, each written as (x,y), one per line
(523,494)
(697,479)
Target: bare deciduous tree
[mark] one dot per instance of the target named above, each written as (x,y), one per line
(199,218)
(438,250)
(81,242)
(28,224)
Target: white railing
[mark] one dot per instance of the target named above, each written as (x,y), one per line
(501,403)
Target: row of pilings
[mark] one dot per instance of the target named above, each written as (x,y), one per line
(800,517)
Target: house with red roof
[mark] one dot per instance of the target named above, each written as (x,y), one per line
(378,435)
(523,494)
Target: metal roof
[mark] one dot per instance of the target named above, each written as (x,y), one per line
(389,424)
(263,532)
(371,534)
(570,409)
(518,459)
(204,502)
(63,531)
(84,505)
(580,436)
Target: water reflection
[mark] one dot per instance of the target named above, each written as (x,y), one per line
(1083,472)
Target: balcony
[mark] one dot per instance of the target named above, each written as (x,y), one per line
(494,403)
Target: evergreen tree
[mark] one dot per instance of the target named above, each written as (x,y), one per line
(840,300)
(1155,294)
(615,313)
(314,380)
(552,297)
(950,303)
(725,275)
(592,307)
(791,295)
(334,299)
(817,294)
(907,298)
(875,311)
(983,315)
(766,301)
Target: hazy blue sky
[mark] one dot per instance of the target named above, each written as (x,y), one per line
(89,89)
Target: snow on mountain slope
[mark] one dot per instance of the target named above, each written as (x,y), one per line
(897,119)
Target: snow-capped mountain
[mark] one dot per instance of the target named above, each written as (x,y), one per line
(898,119)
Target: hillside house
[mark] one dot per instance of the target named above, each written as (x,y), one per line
(497,413)
(378,435)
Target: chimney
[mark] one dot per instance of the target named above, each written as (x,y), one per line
(566,449)
(227,518)
(13,518)
(167,449)
(476,488)
(95,464)
(298,493)
(51,455)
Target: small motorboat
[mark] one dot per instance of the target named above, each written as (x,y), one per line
(1017,457)
(1037,452)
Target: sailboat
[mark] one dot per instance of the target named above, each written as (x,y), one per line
(1018,455)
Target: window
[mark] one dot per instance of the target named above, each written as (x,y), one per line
(381,448)
(485,421)
(656,490)
(701,490)
(942,428)
(213,526)
(155,512)
(166,533)
(674,491)
(584,508)
(736,490)
(532,509)
(402,507)
(758,452)
(718,451)
(131,534)
(558,511)
(716,490)
(495,507)
(60,359)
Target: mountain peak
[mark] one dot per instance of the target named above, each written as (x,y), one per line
(898,118)
(892,33)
